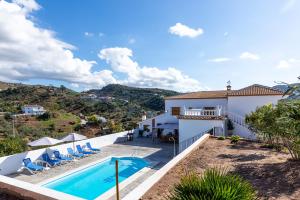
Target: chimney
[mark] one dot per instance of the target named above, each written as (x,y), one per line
(228,85)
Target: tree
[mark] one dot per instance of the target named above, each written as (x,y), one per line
(114,127)
(293,89)
(278,125)
(12,145)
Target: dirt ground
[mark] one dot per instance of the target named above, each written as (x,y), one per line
(271,173)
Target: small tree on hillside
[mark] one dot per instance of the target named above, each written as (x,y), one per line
(278,125)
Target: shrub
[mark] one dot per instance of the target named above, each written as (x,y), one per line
(234,139)
(213,185)
(12,145)
(45,116)
(278,125)
(221,138)
(8,116)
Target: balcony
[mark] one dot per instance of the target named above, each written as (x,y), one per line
(205,111)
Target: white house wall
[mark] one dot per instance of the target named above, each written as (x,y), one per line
(160,119)
(243,105)
(190,128)
(194,103)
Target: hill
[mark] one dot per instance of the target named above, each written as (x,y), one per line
(122,106)
(149,98)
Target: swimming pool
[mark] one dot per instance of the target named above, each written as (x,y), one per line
(91,182)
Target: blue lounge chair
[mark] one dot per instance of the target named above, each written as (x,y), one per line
(61,157)
(80,150)
(51,162)
(88,145)
(74,154)
(31,166)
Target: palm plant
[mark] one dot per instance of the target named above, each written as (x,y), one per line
(215,184)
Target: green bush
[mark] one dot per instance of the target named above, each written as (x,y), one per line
(278,125)
(213,185)
(45,116)
(12,145)
(221,138)
(234,139)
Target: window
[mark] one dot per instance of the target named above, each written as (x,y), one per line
(175,110)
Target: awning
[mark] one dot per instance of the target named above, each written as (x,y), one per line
(168,126)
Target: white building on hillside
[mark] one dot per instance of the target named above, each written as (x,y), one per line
(33,110)
(194,114)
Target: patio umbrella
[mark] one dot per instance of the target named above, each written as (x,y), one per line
(72,137)
(44,141)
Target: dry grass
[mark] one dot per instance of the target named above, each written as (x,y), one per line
(272,174)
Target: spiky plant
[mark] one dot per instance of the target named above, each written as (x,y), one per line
(215,184)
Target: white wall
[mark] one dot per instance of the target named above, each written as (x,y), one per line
(243,105)
(189,128)
(161,119)
(10,164)
(195,103)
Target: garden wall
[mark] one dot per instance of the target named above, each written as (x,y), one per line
(11,164)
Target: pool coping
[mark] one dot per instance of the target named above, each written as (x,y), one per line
(69,172)
(109,193)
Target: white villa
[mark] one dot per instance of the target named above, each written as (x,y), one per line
(189,116)
(33,110)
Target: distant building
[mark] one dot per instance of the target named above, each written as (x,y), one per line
(89,96)
(33,110)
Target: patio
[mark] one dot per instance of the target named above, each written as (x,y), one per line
(155,152)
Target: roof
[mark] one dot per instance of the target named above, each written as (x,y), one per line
(253,90)
(256,90)
(201,95)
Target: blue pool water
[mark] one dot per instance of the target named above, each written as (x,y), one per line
(95,180)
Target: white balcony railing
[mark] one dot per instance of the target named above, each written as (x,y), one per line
(203,112)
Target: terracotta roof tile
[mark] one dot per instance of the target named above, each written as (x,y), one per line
(253,90)
(201,95)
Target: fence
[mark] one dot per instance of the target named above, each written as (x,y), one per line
(188,142)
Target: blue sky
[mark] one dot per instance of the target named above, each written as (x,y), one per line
(133,43)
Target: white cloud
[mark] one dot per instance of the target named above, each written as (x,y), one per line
(120,60)
(249,56)
(226,34)
(288,4)
(28,51)
(219,60)
(100,34)
(74,85)
(88,34)
(185,31)
(287,64)
(131,41)
(27,5)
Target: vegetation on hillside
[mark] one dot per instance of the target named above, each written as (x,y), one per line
(65,109)
(148,98)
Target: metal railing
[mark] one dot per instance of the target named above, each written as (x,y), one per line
(240,120)
(188,142)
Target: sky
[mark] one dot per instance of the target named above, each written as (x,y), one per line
(172,44)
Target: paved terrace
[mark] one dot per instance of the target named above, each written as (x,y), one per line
(157,152)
